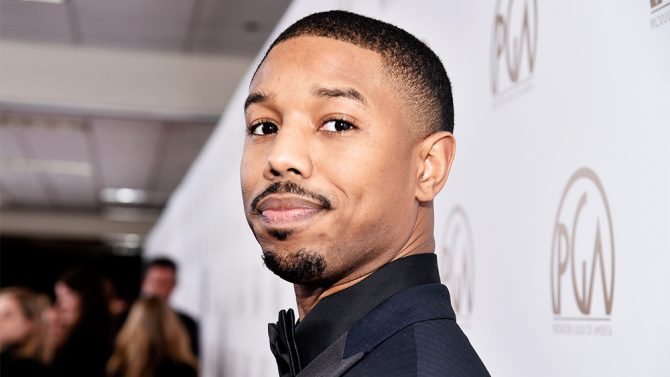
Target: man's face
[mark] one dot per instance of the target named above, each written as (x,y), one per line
(159,281)
(328,177)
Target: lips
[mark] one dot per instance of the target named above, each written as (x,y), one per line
(278,212)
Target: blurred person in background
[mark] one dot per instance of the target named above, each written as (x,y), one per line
(118,306)
(85,342)
(160,279)
(152,343)
(22,332)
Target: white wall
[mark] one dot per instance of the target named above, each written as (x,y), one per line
(597,98)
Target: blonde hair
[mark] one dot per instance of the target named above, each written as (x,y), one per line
(151,334)
(33,306)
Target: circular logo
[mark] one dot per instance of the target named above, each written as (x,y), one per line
(582,250)
(457,256)
(513,44)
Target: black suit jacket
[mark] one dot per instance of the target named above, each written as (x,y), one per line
(192,328)
(412,333)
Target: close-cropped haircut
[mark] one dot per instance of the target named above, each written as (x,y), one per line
(417,72)
(159,262)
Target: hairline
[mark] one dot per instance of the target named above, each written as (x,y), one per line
(387,70)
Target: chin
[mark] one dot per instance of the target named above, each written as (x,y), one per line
(302,267)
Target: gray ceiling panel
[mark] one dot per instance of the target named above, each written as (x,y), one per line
(182,147)
(32,31)
(237,27)
(126,149)
(68,145)
(236,42)
(134,37)
(8,146)
(34,21)
(23,189)
(233,27)
(148,24)
(148,12)
(74,191)
(235,14)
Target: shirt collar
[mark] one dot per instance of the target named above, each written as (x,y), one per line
(336,314)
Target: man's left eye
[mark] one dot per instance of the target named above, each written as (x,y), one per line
(337,126)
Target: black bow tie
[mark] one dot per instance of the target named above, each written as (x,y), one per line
(282,344)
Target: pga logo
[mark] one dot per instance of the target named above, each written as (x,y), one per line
(582,251)
(513,44)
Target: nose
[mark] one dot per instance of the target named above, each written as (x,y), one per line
(289,155)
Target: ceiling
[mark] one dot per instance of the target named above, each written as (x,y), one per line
(231,27)
(64,161)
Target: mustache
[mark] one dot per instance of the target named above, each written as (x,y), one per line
(290,188)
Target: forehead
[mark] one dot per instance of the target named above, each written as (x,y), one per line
(160,271)
(318,61)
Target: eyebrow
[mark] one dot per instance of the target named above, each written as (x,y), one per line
(349,93)
(353,94)
(256,97)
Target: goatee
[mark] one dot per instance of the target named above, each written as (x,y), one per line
(300,268)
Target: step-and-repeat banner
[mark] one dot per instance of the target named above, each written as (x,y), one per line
(553,231)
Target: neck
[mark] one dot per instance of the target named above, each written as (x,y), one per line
(421,241)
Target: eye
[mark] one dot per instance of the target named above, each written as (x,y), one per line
(337,125)
(265,128)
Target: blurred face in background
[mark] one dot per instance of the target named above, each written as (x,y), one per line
(68,305)
(15,327)
(159,281)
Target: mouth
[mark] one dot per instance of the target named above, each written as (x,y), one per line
(280,212)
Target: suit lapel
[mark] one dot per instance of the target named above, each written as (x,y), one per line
(330,362)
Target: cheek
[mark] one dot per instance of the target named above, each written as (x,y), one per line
(251,170)
(378,206)
(372,177)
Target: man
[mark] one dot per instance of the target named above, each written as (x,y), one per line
(349,140)
(160,279)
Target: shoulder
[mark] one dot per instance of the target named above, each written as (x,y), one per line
(413,333)
(428,348)
(442,346)
(186,319)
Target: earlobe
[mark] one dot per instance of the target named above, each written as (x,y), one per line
(436,156)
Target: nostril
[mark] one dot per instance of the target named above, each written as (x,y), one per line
(276,173)
(294,170)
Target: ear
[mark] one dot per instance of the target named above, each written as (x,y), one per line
(436,156)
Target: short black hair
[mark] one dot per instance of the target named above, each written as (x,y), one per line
(418,72)
(160,262)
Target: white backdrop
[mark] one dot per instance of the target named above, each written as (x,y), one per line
(553,230)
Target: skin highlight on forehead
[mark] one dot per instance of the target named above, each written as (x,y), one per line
(349,93)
